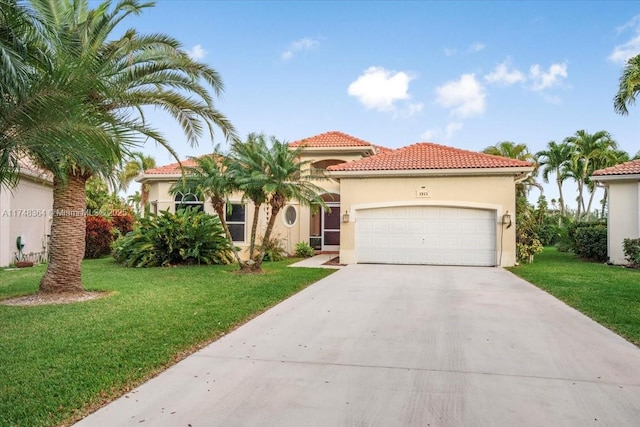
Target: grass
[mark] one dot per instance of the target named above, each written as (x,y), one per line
(58,362)
(610,295)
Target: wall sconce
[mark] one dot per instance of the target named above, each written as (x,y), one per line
(506,219)
(345,216)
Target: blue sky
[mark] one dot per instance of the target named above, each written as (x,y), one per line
(464,74)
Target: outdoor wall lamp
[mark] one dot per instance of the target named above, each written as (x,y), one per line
(345,216)
(506,219)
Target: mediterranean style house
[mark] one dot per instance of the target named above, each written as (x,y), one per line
(25,216)
(421,204)
(623,187)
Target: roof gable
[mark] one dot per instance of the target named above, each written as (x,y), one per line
(427,155)
(627,168)
(333,139)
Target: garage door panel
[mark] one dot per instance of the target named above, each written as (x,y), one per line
(426,235)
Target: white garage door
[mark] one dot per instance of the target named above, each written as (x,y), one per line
(426,235)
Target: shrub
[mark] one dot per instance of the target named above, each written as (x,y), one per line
(527,240)
(303,250)
(186,237)
(275,250)
(590,241)
(123,222)
(98,237)
(631,249)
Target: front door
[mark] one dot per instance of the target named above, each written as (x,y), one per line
(331,227)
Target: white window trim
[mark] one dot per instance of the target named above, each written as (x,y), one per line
(244,223)
(284,216)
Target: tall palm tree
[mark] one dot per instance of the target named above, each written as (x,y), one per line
(138,163)
(629,86)
(555,159)
(210,177)
(520,152)
(589,151)
(105,82)
(285,178)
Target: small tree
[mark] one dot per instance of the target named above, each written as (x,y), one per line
(274,173)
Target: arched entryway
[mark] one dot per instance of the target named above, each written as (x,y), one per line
(325,225)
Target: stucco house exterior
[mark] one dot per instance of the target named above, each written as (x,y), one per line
(25,212)
(421,204)
(623,188)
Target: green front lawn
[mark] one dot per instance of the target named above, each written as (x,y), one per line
(609,295)
(57,362)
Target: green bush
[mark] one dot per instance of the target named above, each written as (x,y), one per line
(186,237)
(98,237)
(590,241)
(274,250)
(304,250)
(631,249)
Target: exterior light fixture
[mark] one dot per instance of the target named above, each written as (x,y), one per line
(506,219)
(345,216)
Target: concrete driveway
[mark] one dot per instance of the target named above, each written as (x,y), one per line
(377,345)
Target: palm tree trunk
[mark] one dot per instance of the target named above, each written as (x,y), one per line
(604,201)
(254,230)
(267,235)
(562,211)
(67,245)
(588,210)
(144,199)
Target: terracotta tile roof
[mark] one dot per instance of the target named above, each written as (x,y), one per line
(330,140)
(627,168)
(427,155)
(173,168)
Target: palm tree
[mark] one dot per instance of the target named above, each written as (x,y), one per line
(210,177)
(520,152)
(589,151)
(629,86)
(35,112)
(286,177)
(555,159)
(137,164)
(249,168)
(103,85)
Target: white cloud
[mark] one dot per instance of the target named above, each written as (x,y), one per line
(430,134)
(473,48)
(505,75)
(298,46)
(464,97)
(379,89)
(476,47)
(452,128)
(546,79)
(449,51)
(622,52)
(197,52)
(434,134)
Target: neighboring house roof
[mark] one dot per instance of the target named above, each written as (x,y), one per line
(173,168)
(627,168)
(429,156)
(29,169)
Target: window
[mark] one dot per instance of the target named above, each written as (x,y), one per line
(290,216)
(236,222)
(188,200)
